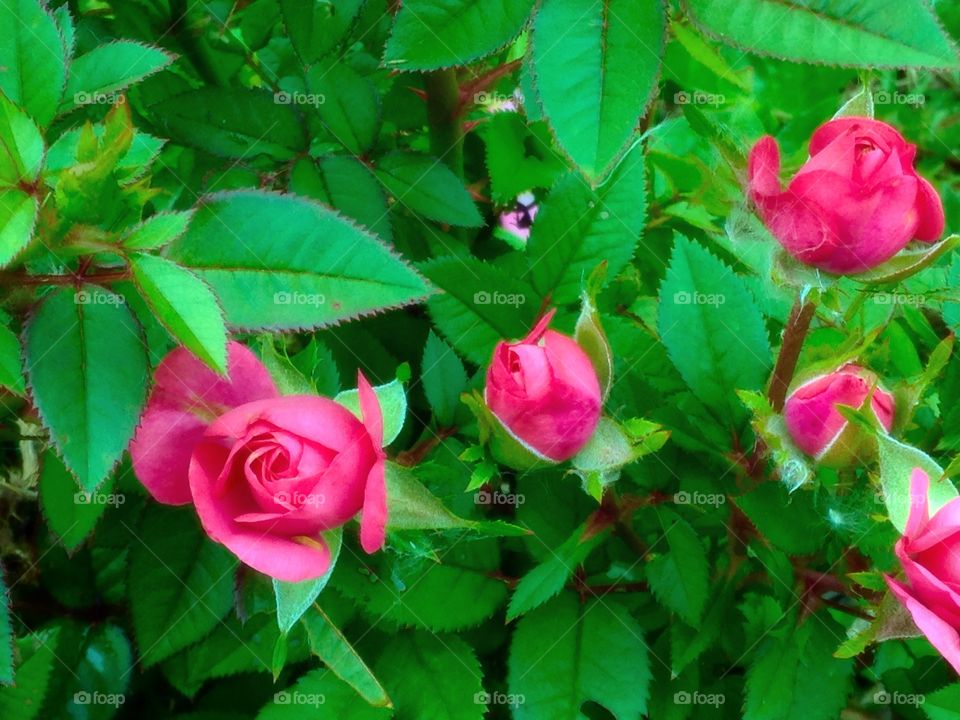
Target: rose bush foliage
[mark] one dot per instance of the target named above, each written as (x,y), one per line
(462,359)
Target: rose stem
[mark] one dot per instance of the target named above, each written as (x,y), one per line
(794,333)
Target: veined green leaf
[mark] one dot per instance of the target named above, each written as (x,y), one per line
(109,69)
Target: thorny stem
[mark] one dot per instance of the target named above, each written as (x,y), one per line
(17,278)
(794,333)
(443,110)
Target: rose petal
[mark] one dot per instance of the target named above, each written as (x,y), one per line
(930,211)
(764,168)
(373,521)
(919,511)
(939,632)
(187,396)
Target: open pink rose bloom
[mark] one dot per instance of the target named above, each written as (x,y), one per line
(266,473)
(855,203)
(929,552)
(545,392)
(811,414)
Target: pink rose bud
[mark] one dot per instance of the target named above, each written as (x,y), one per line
(818,428)
(929,552)
(518,221)
(545,392)
(856,202)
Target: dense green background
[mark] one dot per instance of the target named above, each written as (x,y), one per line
(151,153)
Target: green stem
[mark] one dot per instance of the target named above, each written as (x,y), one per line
(443,118)
(794,333)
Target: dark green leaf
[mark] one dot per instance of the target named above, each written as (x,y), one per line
(428,187)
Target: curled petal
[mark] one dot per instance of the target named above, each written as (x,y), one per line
(187,396)
(930,212)
(938,631)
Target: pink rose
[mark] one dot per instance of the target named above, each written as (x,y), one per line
(267,474)
(545,392)
(929,552)
(814,422)
(855,203)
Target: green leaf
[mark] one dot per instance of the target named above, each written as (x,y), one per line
(180,583)
(944,704)
(21,146)
(232,123)
(431,34)
(316,27)
(157,231)
(428,187)
(393,405)
(347,185)
(11,365)
(443,379)
(294,599)
(336,652)
(480,305)
(129,167)
(579,226)
(33,58)
(794,675)
(413,507)
(885,33)
(897,461)
(38,660)
(449,593)
(18,216)
(596,66)
(71,513)
(908,262)
(789,521)
(432,677)
(712,328)
(567,653)
(184,304)
(313,268)
(87,368)
(319,693)
(520,157)
(109,69)
(548,578)
(350,109)
(679,578)
(6,636)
